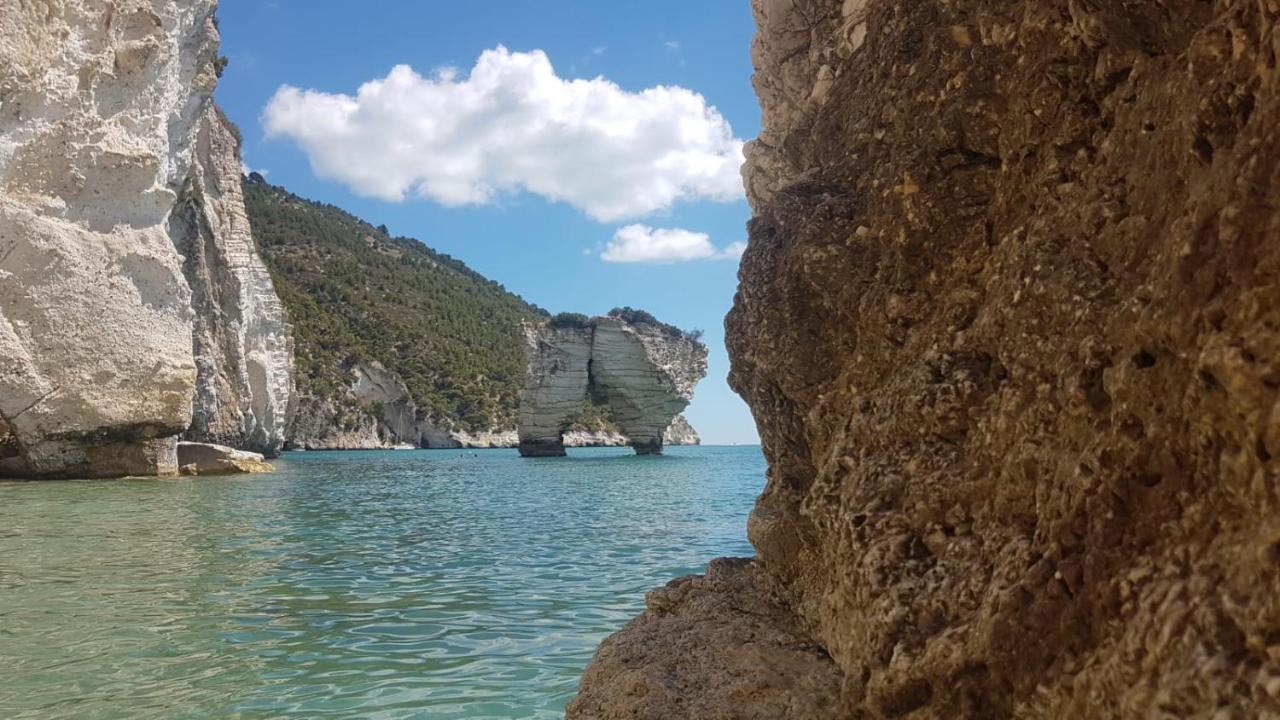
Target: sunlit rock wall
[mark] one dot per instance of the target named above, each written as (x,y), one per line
(243,350)
(97,104)
(1009,323)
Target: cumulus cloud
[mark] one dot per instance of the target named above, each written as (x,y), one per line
(512,124)
(643,244)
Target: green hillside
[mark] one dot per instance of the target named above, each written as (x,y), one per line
(354,293)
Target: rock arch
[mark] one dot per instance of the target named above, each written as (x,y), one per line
(644,372)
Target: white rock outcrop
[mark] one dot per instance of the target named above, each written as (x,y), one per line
(559,369)
(209,459)
(243,349)
(680,432)
(644,373)
(379,413)
(97,104)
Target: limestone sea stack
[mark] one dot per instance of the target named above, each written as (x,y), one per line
(1009,322)
(97,104)
(644,371)
(243,350)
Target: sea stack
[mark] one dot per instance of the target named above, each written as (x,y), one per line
(643,370)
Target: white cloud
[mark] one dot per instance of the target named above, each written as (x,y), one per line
(512,125)
(672,44)
(643,244)
(245,170)
(734,250)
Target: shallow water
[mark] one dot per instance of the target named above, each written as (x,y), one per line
(401,584)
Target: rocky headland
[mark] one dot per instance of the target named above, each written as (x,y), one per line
(644,372)
(1009,323)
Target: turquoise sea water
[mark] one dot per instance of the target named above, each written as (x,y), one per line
(401,584)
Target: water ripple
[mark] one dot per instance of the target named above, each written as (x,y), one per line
(441,585)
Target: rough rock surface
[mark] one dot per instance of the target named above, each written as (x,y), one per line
(319,424)
(645,374)
(680,432)
(1009,322)
(97,101)
(378,413)
(243,351)
(208,459)
(734,653)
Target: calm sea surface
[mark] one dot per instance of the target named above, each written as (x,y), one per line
(409,584)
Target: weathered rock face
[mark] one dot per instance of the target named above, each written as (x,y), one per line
(1009,323)
(559,373)
(643,373)
(208,459)
(325,425)
(243,351)
(379,412)
(732,651)
(680,432)
(98,101)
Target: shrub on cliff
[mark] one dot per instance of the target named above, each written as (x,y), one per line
(641,317)
(574,321)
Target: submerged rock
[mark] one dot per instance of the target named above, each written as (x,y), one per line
(243,351)
(96,366)
(1010,326)
(644,373)
(208,459)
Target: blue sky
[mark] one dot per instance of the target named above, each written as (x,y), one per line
(546,221)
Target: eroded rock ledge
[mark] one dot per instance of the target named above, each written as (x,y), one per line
(730,651)
(644,372)
(1009,322)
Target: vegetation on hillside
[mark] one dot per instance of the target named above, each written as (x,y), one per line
(641,317)
(354,294)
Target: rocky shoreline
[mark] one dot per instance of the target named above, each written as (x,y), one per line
(136,219)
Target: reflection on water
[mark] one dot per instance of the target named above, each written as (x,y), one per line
(434,584)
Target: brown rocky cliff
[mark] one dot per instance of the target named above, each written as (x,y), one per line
(1024,463)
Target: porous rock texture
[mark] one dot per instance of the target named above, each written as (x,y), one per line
(97,102)
(732,651)
(1009,323)
(243,349)
(646,375)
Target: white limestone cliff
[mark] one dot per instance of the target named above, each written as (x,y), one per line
(559,361)
(680,432)
(644,373)
(243,350)
(97,104)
